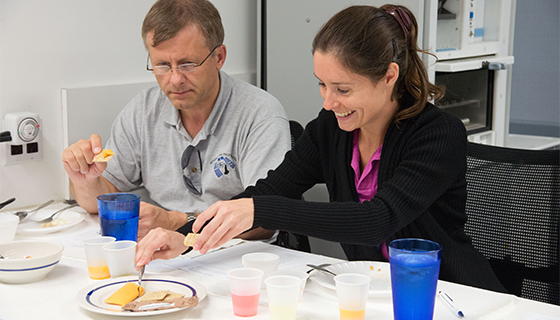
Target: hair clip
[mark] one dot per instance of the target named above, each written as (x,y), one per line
(403,19)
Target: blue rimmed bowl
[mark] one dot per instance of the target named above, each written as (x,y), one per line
(28,260)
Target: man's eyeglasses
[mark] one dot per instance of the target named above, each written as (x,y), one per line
(192,170)
(183,68)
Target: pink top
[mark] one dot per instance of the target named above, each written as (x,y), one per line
(366,181)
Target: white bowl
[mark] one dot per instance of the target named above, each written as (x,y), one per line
(15,268)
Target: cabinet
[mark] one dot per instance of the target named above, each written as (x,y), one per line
(473,42)
(467,36)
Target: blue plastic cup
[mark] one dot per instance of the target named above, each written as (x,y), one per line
(414,276)
(118,215)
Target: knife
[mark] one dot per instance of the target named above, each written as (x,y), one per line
(140,275)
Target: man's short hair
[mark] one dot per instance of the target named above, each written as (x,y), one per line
(167,17)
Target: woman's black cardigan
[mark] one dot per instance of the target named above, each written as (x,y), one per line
(421,193)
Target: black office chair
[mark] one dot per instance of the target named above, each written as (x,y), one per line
(287,239)
(513,201)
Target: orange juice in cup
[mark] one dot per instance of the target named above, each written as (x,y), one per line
(99,272)
(352,315)
(352,292)
(95,257)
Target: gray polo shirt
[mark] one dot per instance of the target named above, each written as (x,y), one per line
(246,135)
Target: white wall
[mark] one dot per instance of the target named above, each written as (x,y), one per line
(49,45)
(535,97)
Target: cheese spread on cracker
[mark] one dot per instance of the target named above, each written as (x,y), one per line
(104,156)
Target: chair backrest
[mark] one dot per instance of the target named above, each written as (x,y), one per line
(513,201)
(287,239)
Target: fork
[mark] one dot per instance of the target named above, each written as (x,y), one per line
(321,266)
(50,218)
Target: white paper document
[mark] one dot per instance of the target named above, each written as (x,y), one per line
(217,264)
(536,316)
(474,303)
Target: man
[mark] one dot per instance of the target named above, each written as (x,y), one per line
(199,137)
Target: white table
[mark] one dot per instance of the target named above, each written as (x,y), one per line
(54,297)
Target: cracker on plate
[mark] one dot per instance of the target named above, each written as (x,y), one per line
(190,239)
(103,156)
(155,295)
(173,295)
(162,295)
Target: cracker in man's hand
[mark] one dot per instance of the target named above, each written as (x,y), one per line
(190,239)
(103,156)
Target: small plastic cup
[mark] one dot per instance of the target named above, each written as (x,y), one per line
(283,293)
(245,286)
(302,276)
(267,262)
(8,227)
(118,215)
(95,257)
(352,291)
(120,257)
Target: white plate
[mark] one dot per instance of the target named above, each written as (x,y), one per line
(379,272)
(71,217)
(91,297)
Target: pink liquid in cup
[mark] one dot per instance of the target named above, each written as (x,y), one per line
(245,286)
(245,306)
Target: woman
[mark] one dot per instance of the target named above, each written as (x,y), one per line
(393,163)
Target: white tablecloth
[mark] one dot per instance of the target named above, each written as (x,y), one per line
(55,296)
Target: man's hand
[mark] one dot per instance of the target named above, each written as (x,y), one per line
(152,217)
(159,243)
(78,160)
(86,182)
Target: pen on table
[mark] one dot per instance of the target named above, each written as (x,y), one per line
(450,305)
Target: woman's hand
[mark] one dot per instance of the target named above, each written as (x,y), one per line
(159,243)
(230,218)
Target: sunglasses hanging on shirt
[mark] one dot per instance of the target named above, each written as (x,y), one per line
(191,162)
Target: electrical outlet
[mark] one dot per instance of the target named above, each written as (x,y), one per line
(25,129)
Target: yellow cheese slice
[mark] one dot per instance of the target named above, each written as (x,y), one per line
(125,294)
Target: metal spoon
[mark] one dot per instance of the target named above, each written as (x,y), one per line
(319,268)
(23,214)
